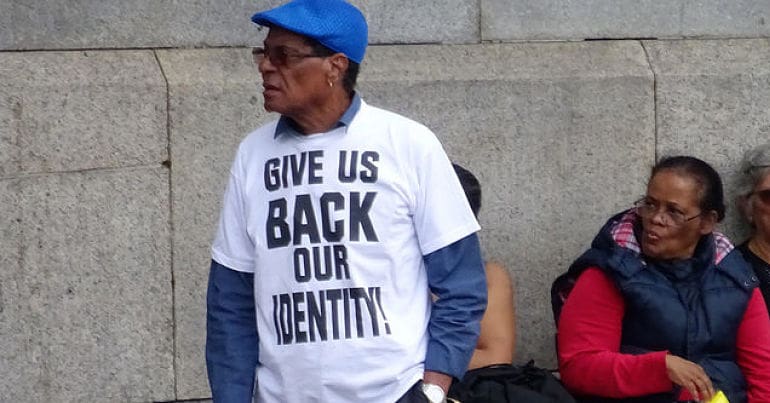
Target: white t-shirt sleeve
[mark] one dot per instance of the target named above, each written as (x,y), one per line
(442,214)
(233,247)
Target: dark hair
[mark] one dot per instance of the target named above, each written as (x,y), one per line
(471,187)
(711,192)
(351,75)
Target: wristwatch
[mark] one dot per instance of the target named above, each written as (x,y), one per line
(434,393)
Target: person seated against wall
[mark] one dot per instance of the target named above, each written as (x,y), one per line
(497,340)
(664,309)
(754,204)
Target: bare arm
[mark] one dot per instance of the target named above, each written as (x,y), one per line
(498,330)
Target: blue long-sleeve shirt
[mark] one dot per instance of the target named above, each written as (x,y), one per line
(455,275)
(232,344)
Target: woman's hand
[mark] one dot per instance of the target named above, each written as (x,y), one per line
(690,376)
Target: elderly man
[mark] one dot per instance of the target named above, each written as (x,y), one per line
(339,221)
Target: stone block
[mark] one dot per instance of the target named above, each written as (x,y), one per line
(505,20)
(406,21)
(67,111)
(85,290)
(79,24)
(712,101)
(561,135)
(215,100)
(725,19)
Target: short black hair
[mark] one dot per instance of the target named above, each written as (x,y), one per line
(471,187)
(711,190)
(351,75)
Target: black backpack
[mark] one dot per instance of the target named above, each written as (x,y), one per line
(510,383)
(560,289)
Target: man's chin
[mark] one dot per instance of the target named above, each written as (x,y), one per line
(272,107)
(277,107)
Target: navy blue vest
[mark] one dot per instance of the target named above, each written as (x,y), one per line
(696,317)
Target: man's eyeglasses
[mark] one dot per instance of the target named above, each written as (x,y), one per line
(763,195)
(279,56)
(669,217)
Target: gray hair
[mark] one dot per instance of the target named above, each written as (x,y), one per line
(754,168)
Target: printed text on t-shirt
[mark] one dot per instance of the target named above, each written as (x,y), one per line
(318,232)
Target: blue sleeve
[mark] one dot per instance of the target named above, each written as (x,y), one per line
(456,276)
(232,348)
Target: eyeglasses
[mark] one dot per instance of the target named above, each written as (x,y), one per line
(647,209)
(763,195)
(280,56)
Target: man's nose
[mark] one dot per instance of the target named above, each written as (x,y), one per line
(265,65)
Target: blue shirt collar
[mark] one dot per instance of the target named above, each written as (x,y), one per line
(286,125)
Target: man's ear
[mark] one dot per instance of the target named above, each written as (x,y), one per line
(339,65)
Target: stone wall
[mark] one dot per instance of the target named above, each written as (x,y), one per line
(118,121)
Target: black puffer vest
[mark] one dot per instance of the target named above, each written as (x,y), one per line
(694,316)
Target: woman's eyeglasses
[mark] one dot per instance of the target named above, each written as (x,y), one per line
(280,56)
(647,209)
(763,195)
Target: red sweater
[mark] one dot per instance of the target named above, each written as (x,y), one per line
(589,341)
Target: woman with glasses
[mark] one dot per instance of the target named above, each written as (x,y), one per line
(663,309)
(754,204)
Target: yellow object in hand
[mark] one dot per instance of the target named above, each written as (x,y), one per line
(719,397)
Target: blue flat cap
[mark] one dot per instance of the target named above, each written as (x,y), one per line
(336,24)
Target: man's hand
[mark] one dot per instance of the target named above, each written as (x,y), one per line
(690,376)
(437,378)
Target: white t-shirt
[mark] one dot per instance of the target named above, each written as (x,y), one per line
(334,227)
